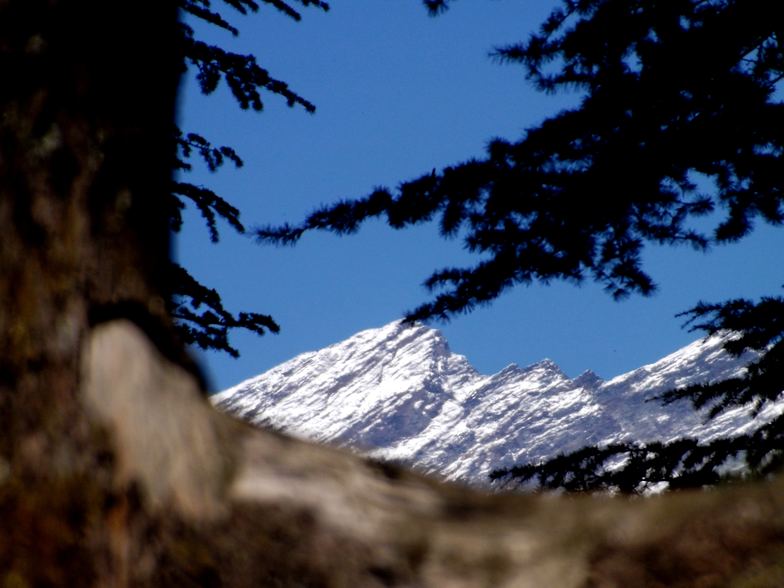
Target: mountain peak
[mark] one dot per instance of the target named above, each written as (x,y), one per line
(397,392)
(546,371)
(544,364)
(588,379)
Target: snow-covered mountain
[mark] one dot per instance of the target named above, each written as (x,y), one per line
(399,393)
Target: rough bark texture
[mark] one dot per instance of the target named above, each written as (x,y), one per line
(87,100)
(86,105)
(115,471)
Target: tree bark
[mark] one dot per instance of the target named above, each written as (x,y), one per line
(114,469)
(86,153)
(86,107)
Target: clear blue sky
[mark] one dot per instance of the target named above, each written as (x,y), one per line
(399,93)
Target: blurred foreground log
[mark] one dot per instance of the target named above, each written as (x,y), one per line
(260,509)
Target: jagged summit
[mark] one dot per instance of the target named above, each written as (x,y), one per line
(398,392)
(588,379)
(544,364)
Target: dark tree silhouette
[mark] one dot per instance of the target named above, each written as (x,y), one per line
(200,316)
(680,116)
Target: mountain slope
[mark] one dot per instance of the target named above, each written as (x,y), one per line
(399,393)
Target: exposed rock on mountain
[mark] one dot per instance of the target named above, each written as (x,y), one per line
(399,393)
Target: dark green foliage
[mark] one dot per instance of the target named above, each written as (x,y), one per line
(208,202)
(202,319)
(673,93)
(637,468)
(435,7)
(686,463)
(241,72)
(680,463)
(198,310)
(213,156)
(680,116)
(760,327)
(245,78)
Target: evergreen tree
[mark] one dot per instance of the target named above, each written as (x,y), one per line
(200,316)
(680,116)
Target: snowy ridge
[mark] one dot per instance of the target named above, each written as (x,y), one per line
(399,393)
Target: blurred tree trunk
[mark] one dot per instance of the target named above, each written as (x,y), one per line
(86,104)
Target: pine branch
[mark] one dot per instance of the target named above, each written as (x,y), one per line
(198,311)
(241,73)
(581,195)
(213,157)
(758,331)
(641,468)
(200,11)
(210,205)
(436,7)
(286,8)
(202,320)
